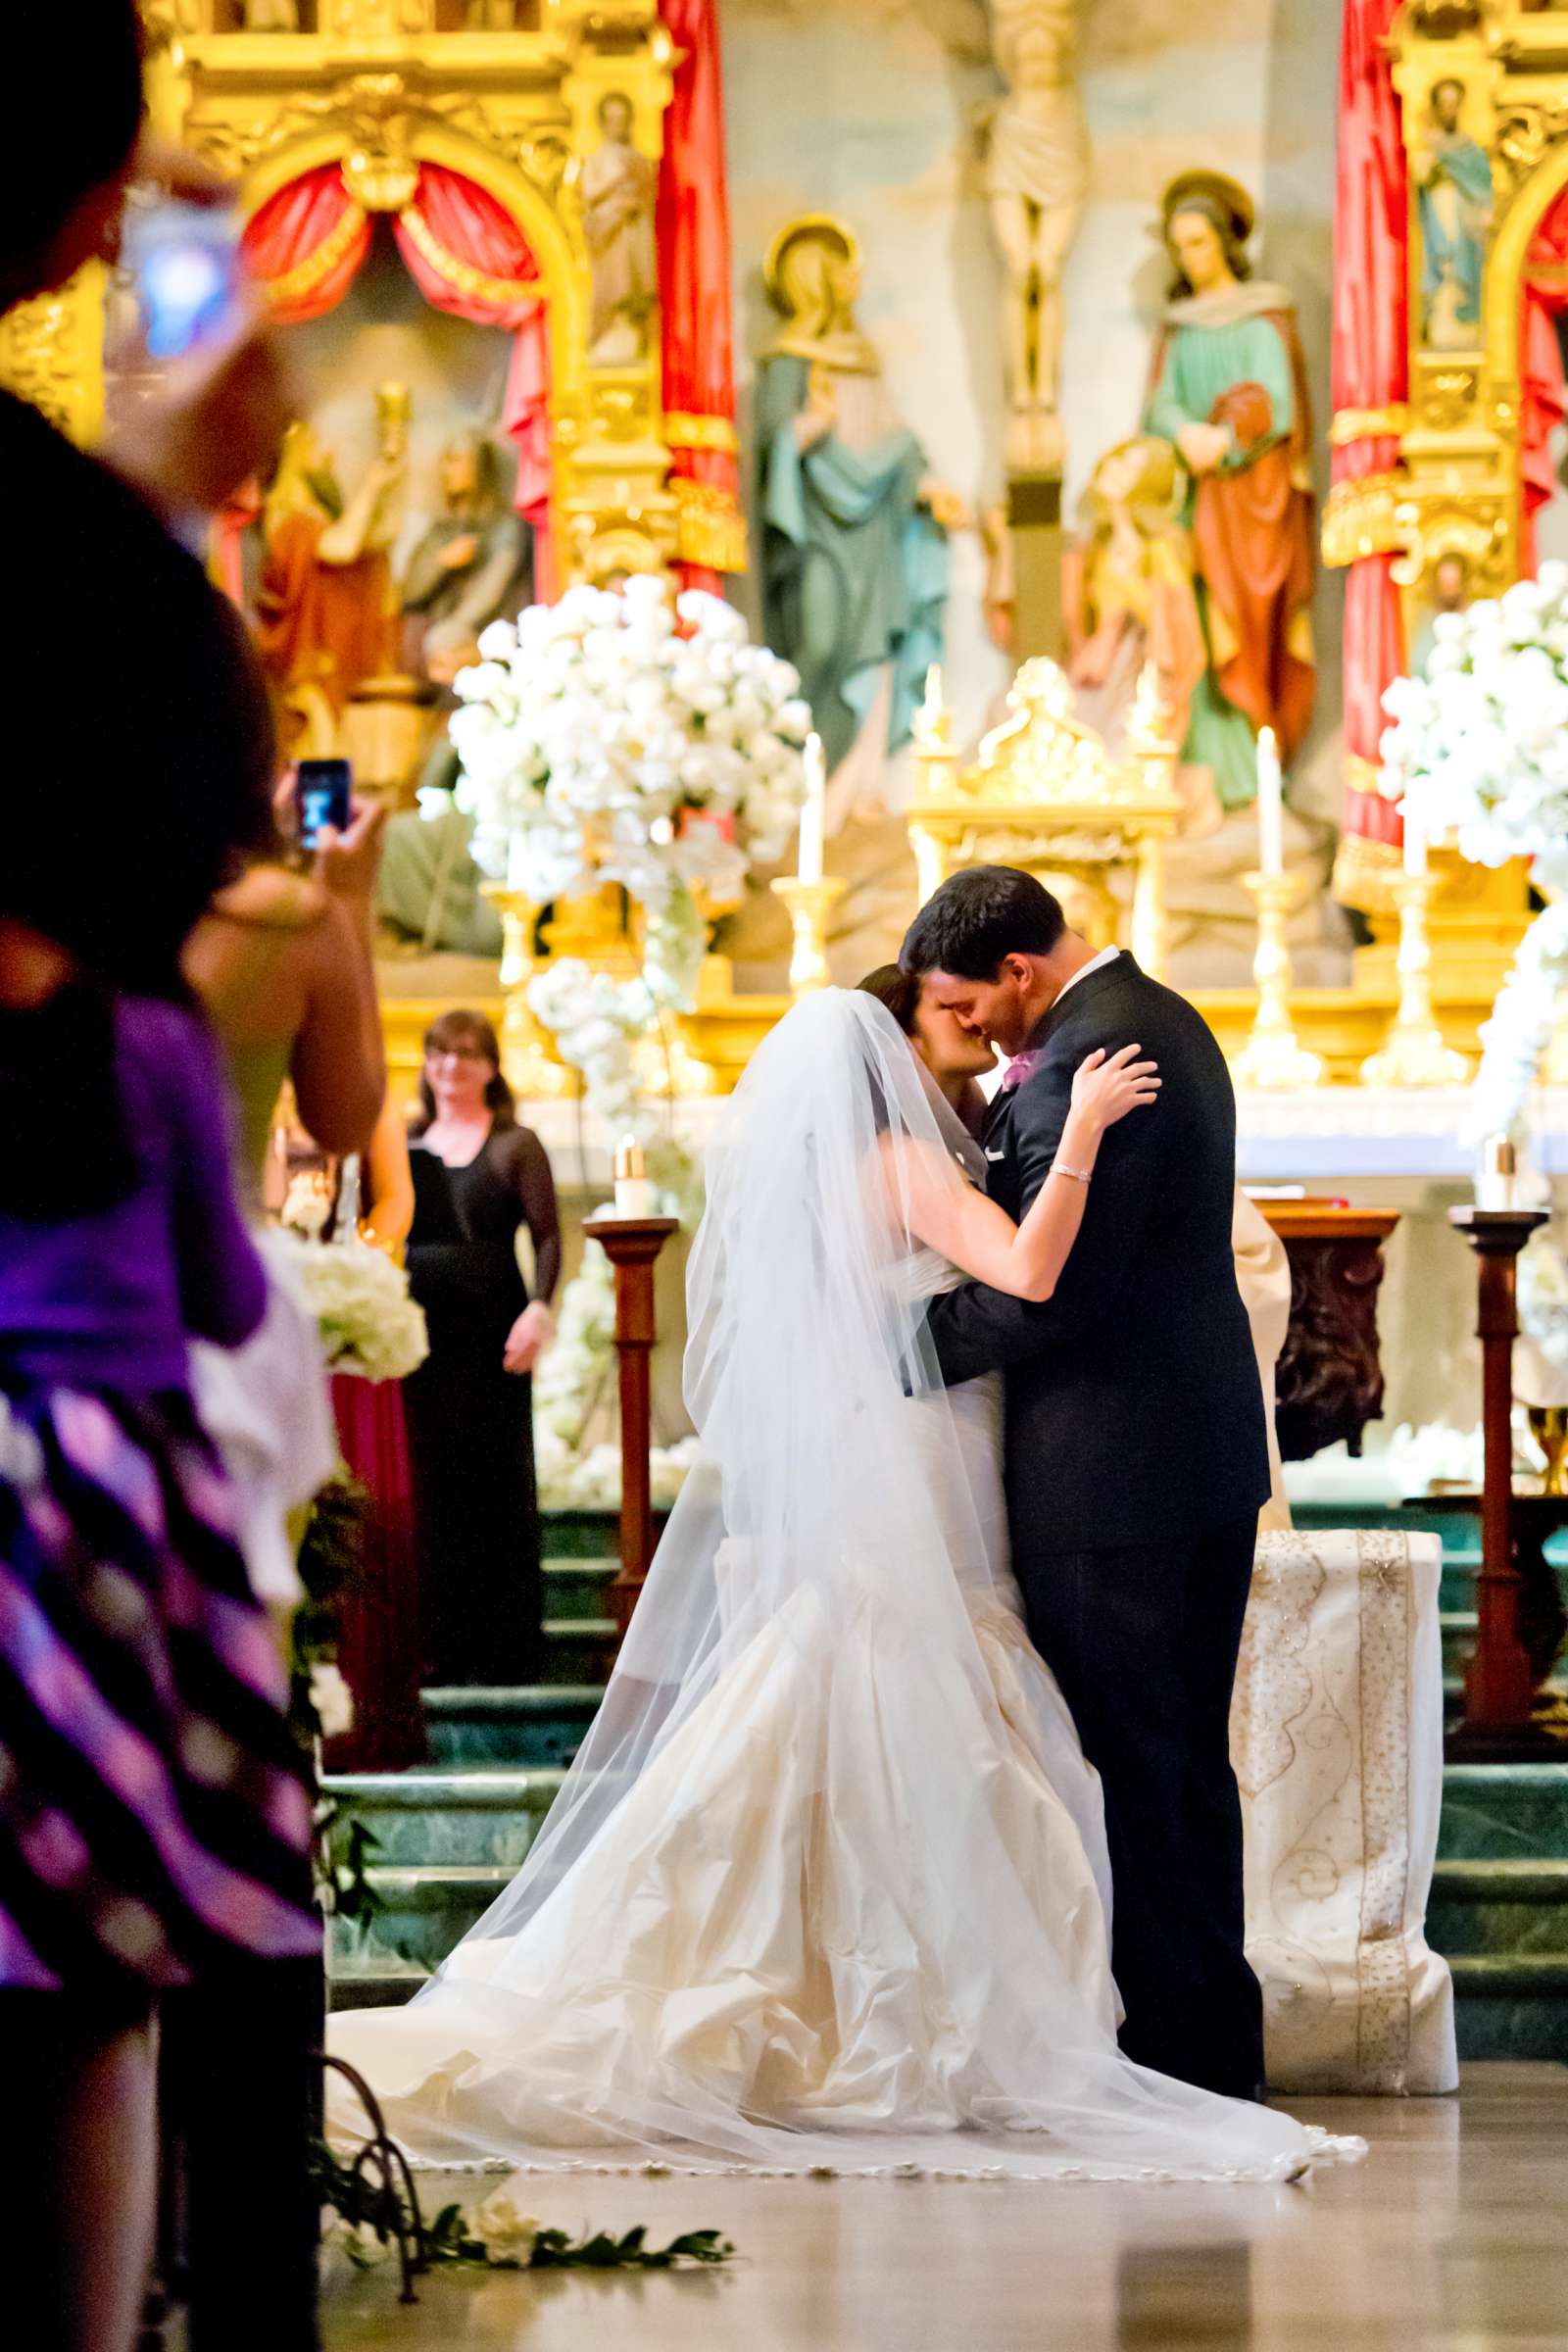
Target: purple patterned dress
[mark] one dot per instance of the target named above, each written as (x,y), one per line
(154,1806)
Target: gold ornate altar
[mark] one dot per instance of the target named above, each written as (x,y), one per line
(1488,78)
(1045,794)
(380,86)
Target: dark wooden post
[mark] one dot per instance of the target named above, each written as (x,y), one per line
(632,1245)
(1499,1683)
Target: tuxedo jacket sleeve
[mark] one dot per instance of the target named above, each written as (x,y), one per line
(978,1330)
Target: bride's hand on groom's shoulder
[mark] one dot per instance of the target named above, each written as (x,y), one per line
(1107,1086)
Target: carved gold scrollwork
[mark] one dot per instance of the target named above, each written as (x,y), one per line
(50,353)
(1525,132)
(1360,518)
(1447,397)
(376,20)
(1467,523)
(1367,424)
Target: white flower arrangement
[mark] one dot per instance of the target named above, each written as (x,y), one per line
(369,1325)
(1478,750)
(625,735)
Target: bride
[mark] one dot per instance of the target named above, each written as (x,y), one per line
(826,1888)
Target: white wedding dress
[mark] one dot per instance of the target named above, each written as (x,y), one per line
(826,1888)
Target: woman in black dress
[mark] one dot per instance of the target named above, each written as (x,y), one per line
(478,1178)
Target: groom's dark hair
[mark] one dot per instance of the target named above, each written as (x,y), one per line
(977,918)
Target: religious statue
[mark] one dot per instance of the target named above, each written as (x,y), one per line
(620,188)
(1229,394)
(1037,176)
(855,526)
(1452,174)
(1131,609)
(470,566)
(272,16)
(327,610)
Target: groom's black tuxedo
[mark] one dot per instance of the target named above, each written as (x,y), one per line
(1134,1409)
(1136,1466)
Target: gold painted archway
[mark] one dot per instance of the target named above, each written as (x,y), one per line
(380,86)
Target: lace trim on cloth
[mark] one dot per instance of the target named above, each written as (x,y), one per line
(1324,2148)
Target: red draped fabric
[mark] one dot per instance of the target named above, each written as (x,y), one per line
(1542,396)
(694,285)
(305,244)
(467,255)
(378,1616)
(1371,377)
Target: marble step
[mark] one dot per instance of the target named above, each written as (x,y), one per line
(424,1911)
(576,1534)
(1505,1812)
(543,1723)
(579,1651)
(578,1589)
(384,1986)
(1511,2005)
(1510,1907)
(472,1814)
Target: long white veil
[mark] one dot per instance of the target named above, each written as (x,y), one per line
(826,1883)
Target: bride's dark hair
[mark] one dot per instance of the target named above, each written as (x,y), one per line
(896,989)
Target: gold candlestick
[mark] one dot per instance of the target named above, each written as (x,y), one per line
(1414,1054)
(809,904)
(1273,1056)
(530,1066)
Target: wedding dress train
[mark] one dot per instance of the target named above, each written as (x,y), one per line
(826,1888)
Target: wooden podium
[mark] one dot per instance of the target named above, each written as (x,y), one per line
(632,1245)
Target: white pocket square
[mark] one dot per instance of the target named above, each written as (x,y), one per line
(995,1155)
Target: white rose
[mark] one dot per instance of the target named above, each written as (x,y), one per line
(507,2236)
(498,642)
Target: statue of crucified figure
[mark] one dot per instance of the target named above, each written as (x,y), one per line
(1037,176)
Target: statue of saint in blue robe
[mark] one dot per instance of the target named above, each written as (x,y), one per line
(855,564)
(1454,199)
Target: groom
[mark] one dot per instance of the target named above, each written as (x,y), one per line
(1136,1456)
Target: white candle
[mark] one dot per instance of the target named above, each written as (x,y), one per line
(634,1195)
(812,811)
(1270,806)
(1415,840)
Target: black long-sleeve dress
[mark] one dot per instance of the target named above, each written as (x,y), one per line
(471,1427)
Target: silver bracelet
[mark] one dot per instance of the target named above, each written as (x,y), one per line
(1059,1167)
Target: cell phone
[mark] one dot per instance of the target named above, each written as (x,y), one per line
(324,790)
(185,266)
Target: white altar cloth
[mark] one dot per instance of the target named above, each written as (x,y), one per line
(1337,1736)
